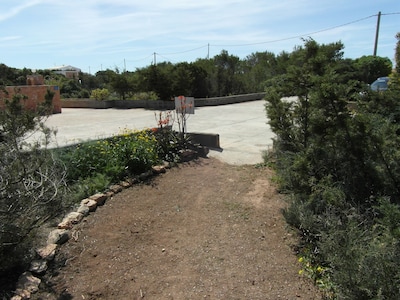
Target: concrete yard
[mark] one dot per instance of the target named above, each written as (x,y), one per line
(242,128)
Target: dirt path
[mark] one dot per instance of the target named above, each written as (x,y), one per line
(204,230)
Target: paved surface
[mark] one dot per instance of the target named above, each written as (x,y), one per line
(243,129)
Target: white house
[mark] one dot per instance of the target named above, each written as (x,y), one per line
(67,71)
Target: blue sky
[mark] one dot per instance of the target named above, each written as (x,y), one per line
(98,34)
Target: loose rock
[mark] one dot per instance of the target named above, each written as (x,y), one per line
(71,219)
(84,210)
(58,236)
(125,184)
(158,169)
(48,252)
(116,188)
(91,204)
(38,266)
(100,198)
(28,282)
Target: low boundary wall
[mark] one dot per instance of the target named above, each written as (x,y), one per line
(157,104)
(210,140)
(35,96)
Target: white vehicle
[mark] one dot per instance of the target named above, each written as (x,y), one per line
(381,84)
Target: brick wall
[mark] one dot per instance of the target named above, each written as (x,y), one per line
(35,94)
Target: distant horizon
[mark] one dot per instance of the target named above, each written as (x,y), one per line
(96,35)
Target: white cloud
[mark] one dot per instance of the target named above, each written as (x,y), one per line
(9,11)
(108,30)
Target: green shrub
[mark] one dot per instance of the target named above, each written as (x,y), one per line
(32,182)
(117,157)
(341,171)
(100,94)
(96,183)
(145,96)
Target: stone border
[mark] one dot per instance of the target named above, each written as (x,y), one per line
(28,283)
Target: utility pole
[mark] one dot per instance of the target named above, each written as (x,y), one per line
(155,63)
(208,52)
(377,33)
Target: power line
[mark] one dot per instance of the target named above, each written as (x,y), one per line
(166,58)
(284,39)
(140,59)
(387,14)
(298,36)
(185,51)
(260,43)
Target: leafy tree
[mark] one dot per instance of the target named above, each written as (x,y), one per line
(199,83)
(105,78)
(227,74)
(258,67)
(188,79)
(88,81)
(157,78)
(121,84)
(70,88)
(182,79)
(369,68)
(206,78)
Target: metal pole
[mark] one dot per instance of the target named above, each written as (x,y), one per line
(377,33)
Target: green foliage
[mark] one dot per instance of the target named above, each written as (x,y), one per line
(144,96)
(121,84)
(369,68)
(31,181)
(228,70)
(157,78)
(258,68)
(167,139)
(117,157)
(363,254)
(336,166)
(96,183)
(100,94)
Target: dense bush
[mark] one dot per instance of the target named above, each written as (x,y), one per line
(31,183)
(126,154)
(100,94)
(37,184)
(341,170)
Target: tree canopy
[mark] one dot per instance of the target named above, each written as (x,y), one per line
(222,75)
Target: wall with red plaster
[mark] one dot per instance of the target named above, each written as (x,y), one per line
(35,92)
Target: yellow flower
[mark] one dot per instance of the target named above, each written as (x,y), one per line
(301,272)
(301,259)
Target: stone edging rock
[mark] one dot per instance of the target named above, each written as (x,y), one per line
(28,283)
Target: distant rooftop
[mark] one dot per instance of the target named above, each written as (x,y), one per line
(65,68)
(67,71)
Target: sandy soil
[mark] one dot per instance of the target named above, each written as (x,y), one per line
(203,230)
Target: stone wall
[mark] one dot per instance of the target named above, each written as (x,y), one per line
(157,104)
